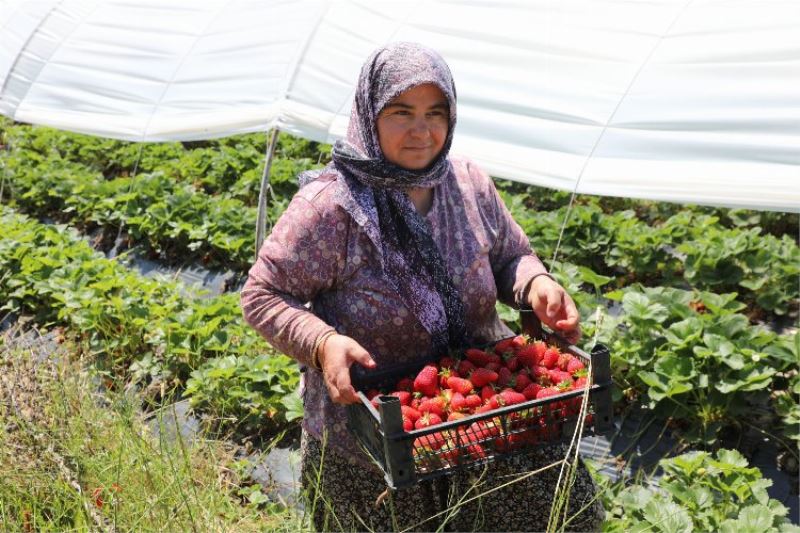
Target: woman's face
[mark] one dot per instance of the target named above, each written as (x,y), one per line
(412,127)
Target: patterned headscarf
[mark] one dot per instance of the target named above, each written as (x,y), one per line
(372,189)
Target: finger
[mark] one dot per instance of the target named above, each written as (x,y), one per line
(343,391)
(554,303)
(572,315)
(362,357)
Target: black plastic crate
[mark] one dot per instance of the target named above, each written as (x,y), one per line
(407,457)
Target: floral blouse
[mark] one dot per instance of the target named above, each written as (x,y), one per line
(318,255)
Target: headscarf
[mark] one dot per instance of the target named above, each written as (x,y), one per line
(371,190)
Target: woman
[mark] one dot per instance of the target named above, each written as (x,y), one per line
(402,251)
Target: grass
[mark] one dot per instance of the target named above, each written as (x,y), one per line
(74,459)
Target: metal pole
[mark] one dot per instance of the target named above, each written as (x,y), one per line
(261,220)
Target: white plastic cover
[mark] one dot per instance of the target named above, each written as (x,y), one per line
(692,101)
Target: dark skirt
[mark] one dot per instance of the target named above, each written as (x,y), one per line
(343,495)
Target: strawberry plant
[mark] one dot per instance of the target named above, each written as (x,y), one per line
(691,356)
(138,328)
(698,492)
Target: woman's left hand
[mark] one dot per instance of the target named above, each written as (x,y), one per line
(555,308)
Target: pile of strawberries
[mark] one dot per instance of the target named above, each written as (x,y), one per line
(516,370)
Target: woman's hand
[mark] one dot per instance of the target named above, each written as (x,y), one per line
(339,353)
(555,308)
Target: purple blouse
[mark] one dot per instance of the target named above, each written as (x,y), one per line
(317,253)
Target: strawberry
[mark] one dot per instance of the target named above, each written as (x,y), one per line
(527,356)
(506,397)
(574,365)
(406,384)
(557,376)
(487,392)
(485,408)
(518,342)
(472,401)
(541,375)
(550,357)
(410,413)
(426,381)
(465,367)
(512,363)
(503,346)
(563,361)
(504,377)
(531,391)
(457,402)
(464,386)
(437,406)
(447,362)
(579,383)
(456,416)
(434,441)
(521,382)
(427,420)
(408,424)
(482,376)
(403,396)
(493,366)
(547,392)
(476,451)
(478,357)
(444,374)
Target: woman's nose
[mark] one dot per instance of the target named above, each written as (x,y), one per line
(420,127)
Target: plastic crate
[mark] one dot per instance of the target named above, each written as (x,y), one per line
(405,457)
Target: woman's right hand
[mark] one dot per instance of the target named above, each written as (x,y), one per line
(338,354)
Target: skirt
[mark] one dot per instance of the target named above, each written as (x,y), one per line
(513,494)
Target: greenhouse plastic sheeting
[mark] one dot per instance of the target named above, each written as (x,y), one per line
(684,101)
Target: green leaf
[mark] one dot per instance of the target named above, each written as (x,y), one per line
(668,517)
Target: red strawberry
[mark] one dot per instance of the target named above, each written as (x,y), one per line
(403,396)
(410,413)
(563,361)
(408,424)
(434,441)
(427,420)
(518,342)
(473,401)
(457,402)
(447,362)
(506,397)
(476,451)
(483,376)
(580,383)
(504,377)
(456,415)
(464,386)
(574,365)
(406,384)
(484,408)
(521,382)
(503,346)
(493,366)
(437,406)
(550,357)
(427,381)
(531,391)
(478,357)
(512,363)
(444,374)
(541,375)
(487,392)
(547,392)
(529,355)
(465,367)
(558,376)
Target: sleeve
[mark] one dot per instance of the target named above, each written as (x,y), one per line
(514,263)
(301,258)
